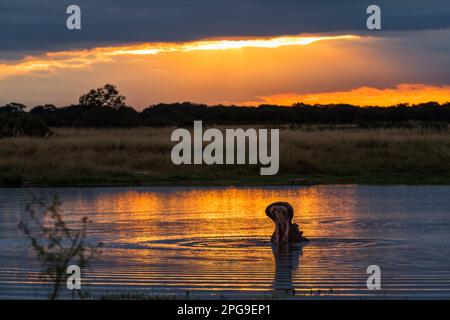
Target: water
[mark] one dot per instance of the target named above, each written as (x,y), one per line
(214,242)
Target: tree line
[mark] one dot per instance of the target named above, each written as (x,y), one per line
(105,107)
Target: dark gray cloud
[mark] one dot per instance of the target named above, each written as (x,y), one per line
(39,25)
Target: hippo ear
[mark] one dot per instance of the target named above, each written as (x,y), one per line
(270,213)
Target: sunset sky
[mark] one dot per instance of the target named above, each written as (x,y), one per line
(244,52)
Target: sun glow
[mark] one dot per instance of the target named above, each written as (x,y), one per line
(83,58)
(365,96)
(282,70)
(149,49)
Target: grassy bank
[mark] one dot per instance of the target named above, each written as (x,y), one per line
(308,155)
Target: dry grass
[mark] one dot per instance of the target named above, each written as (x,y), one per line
(142,155)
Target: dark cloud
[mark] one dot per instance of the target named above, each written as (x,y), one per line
(39,25)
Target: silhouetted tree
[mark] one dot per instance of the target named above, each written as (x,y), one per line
(23,124)
(105,107)
(45,109)
(13,107)
(108,96)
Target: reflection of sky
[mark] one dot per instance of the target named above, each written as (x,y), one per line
(216,239)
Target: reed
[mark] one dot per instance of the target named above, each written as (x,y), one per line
(307,155)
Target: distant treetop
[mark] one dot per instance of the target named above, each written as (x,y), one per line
(13,107)
(107,96)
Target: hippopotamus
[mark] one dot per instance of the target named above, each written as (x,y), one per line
(285,231)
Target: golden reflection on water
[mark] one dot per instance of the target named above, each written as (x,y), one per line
(215,240)
(215,237)
(218,212)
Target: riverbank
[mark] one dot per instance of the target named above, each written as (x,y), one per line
(308,155)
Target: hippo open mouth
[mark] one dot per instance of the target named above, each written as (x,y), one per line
(285,231)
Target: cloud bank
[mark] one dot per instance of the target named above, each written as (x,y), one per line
(33,25)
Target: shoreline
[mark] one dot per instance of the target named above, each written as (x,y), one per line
(244,182)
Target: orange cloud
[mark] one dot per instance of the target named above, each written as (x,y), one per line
(84,58)
(245,71)
(364,96)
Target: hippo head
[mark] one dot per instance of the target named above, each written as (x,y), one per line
(282,214)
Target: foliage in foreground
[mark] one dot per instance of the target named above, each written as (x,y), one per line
(56,244)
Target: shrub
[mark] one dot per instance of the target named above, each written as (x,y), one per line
(22,124)
(56,243)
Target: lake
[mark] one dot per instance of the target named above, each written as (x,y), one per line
(213,242)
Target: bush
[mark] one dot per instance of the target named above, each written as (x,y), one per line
(56,243)
(22,124)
